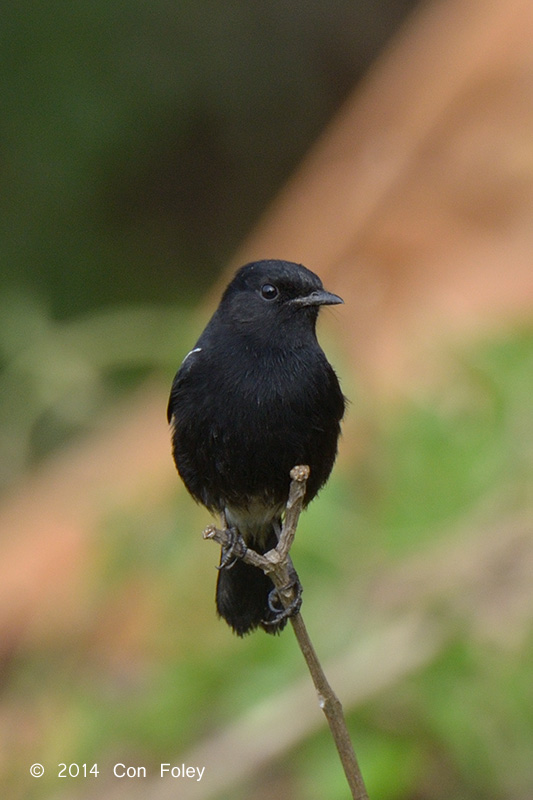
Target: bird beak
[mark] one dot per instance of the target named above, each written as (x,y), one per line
(318,298)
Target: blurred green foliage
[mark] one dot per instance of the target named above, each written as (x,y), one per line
(59,376)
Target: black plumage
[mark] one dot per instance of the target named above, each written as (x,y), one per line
(253,398)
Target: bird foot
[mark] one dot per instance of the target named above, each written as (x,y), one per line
(233,550)
(280,611)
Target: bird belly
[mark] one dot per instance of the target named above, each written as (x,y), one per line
(256,522)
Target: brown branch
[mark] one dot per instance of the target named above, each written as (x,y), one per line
(276,563)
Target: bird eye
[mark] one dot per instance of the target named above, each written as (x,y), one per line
(268,291)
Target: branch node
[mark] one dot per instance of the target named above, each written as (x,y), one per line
(300,473)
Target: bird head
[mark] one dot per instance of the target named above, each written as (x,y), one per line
(273,298)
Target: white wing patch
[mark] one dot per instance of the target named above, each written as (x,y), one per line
(194,350)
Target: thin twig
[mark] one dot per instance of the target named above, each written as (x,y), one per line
(276,563)
(332,708)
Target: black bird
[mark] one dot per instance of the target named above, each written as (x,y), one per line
(255,397)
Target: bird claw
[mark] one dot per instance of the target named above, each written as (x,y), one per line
(280,611)
(228,554)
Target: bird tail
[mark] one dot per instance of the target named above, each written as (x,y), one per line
(242,599)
